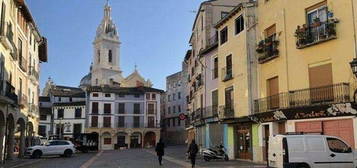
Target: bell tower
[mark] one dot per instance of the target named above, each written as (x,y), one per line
(106,58)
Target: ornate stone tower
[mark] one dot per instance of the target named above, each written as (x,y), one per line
(105,69)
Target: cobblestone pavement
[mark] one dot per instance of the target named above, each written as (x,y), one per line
(134,158)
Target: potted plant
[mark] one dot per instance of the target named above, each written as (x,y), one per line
(260,47)
(317,22)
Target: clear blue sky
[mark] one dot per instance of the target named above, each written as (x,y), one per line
(154,35)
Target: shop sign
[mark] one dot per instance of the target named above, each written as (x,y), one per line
(335,110)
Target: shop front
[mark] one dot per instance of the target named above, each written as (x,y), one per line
(334,119)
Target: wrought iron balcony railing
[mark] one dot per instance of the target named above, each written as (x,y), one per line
(226,112)
(210,112)
(227,73)
(10,92)
(268,49)
(338,93)
(314,33)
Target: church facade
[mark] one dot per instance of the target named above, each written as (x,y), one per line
(123,111)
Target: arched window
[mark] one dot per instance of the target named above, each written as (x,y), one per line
(96,81)
(110,56)
(98,53)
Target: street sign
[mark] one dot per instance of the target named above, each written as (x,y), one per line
(182,116)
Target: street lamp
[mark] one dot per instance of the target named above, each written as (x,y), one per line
(354,66)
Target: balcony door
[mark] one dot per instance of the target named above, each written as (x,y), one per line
(273,93)
(320,79)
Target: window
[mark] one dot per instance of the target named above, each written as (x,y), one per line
(215,101)
(110,56)
(107,108)
(60,113)
(136,122)
(95,95)
(42,130)
(224,14)
(153,96)
(174,109)
(2,22)
(169,110)
(179,108)
(239,24)
(229,98)
(77,128)
(94,121)
(169,98)
(318,81)
(338,146)
(96,81)
(121,108)
(43,117)
(136,108)
(173,122)
(107,95)
(151,109)
(168,122)
(107,141)
(98,53)
(70,99)
(148,96)
(106,122)
(179,95)
(224,35)
(78,113)
(215,68)
(229,67)
(174,97)
(273,92)
(121,121)
(151,122)
(95,108)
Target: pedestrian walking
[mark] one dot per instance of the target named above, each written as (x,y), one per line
(160,150)
(192,152)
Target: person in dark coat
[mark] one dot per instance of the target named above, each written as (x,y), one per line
(160,150)
(192,152)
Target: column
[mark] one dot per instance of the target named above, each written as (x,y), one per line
(22,143)
(10,143)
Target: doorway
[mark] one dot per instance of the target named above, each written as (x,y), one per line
(244,141)
(266,142)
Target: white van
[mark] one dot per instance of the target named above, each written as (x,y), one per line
(310,151)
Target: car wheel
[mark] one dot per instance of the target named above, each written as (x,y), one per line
(207,159)
(226,157)
(68,153)
(36,154)
(303,165)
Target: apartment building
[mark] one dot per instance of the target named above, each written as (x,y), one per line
(306,84)
(175,106)
(124,117)
(22,50)
(237,78)
(203,41)
(63,107)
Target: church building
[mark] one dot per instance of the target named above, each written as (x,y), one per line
(123,111)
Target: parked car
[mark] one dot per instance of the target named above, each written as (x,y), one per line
(86,142)
(54,147)
(310,151)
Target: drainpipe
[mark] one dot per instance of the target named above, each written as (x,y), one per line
(354,28)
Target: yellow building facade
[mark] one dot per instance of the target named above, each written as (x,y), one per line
(22,50)
(237,72)
(305,82)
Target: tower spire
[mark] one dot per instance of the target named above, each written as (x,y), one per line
(107,11)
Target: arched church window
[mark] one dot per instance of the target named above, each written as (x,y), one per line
(98,53)
(110,56)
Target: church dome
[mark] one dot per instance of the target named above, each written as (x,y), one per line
(86,80)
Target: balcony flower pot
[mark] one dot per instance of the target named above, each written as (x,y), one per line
(316,23)
(260,47)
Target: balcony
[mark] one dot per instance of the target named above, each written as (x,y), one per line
(227,74)
(210,112)
(225,112)
(23,64)
(315,33)
(338,93)
(10,93)
(34,75)
(23,102)
(268,49)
